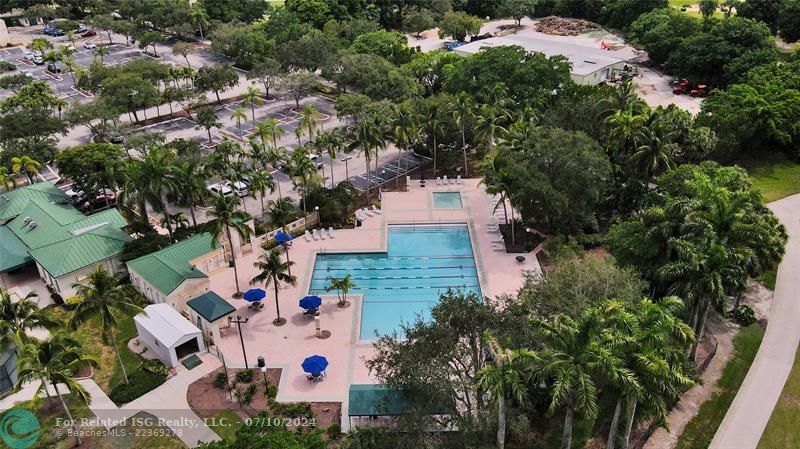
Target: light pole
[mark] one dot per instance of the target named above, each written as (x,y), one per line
(346,171)
(380,188)
(239,321)
(262,363)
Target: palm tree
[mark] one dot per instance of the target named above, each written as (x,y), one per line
(270,128)
(571,361)
(190,183)
(462,114)
(6,180)
(149,179)
(253,96)
(69,67)
(625,128)
(434,125)
(281,212)
(99,52)
(491,124)
(104,298)
(330,142)
(276,157)
(368,138)
(239,115)
(19,317)
(405,130)
(198,17)
(507,375)
(342,287)
(654,155)
(261,181)
(498,182)
(308,119)
(226,216)
(55,361)
(207,118)
(273,270)
(25,164)
(301,167)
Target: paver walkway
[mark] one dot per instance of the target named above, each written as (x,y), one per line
(750,411)
(167,402)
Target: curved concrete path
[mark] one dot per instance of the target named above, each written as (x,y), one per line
(750,411)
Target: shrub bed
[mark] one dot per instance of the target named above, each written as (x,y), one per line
(140,383)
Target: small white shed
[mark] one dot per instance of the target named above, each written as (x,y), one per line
(168,334)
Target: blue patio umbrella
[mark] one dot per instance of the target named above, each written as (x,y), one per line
(310,302)
(315,364)
(254,294)
(283,236)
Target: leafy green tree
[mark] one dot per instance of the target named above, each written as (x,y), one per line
(767,11)
(207,118)
(246,45)
(300,84)
(225,216)
(541,181)
(198,17)
(342,287)
(217,78)
(418,20)
(312,51)
(55,361)
(273,270)
(789,21)
(183,49)
(267,72)
(518,9)
(431,69)
(708,8)
(252,435)
(314,12)
(661,31)
(105,299)
(459,25)
(93,167)
(391,45)
(150,38)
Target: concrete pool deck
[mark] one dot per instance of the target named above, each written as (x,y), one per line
(286,346)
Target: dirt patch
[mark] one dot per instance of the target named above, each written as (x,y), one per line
(564,26)
(207,400)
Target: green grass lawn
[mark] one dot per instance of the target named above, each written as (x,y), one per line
(88,334)
(50,433)
(225,424)
(775,178)
(768,278)
(783,428)
(701,428)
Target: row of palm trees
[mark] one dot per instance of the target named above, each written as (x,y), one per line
(632,352)
(19,165)
(55,361)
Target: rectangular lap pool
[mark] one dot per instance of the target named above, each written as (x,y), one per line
(422,261)
(447,200)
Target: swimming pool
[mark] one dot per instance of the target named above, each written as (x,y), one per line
(422,261)
(447,200)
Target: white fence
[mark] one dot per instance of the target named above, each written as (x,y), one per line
(296,227)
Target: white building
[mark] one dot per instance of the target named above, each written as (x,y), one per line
(589,65)
(164,331)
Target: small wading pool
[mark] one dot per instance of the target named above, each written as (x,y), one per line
(422,262)
(447,200)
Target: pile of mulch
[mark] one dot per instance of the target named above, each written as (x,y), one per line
(564,26)
(206,400)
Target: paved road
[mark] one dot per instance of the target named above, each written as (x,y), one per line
(751,409)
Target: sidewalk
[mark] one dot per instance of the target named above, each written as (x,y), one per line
(167,402)
(751,409)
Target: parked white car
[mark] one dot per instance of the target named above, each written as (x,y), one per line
(239,188)
(29,55)
(316,159)
(220,189)
(89,46)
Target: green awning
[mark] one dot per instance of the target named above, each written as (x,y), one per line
(210,306)
(13,253)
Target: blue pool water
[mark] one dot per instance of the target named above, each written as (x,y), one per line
(422,261)
(447,200)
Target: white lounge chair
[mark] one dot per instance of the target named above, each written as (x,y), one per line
(314,235)
(444,180)
(368,212)
(330,232)
(459,180)
(438,180)
(320,234)
(376,210)
(307,236)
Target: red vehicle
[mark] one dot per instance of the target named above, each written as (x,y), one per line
(89,33)
(701,91)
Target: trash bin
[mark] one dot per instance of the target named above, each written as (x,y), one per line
(358,223)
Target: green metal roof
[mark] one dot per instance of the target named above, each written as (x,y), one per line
(51,223)
(13,201)
(81,251)
(211,306)
(13,253)
(167,268)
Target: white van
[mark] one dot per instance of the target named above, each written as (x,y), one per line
(239,188)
